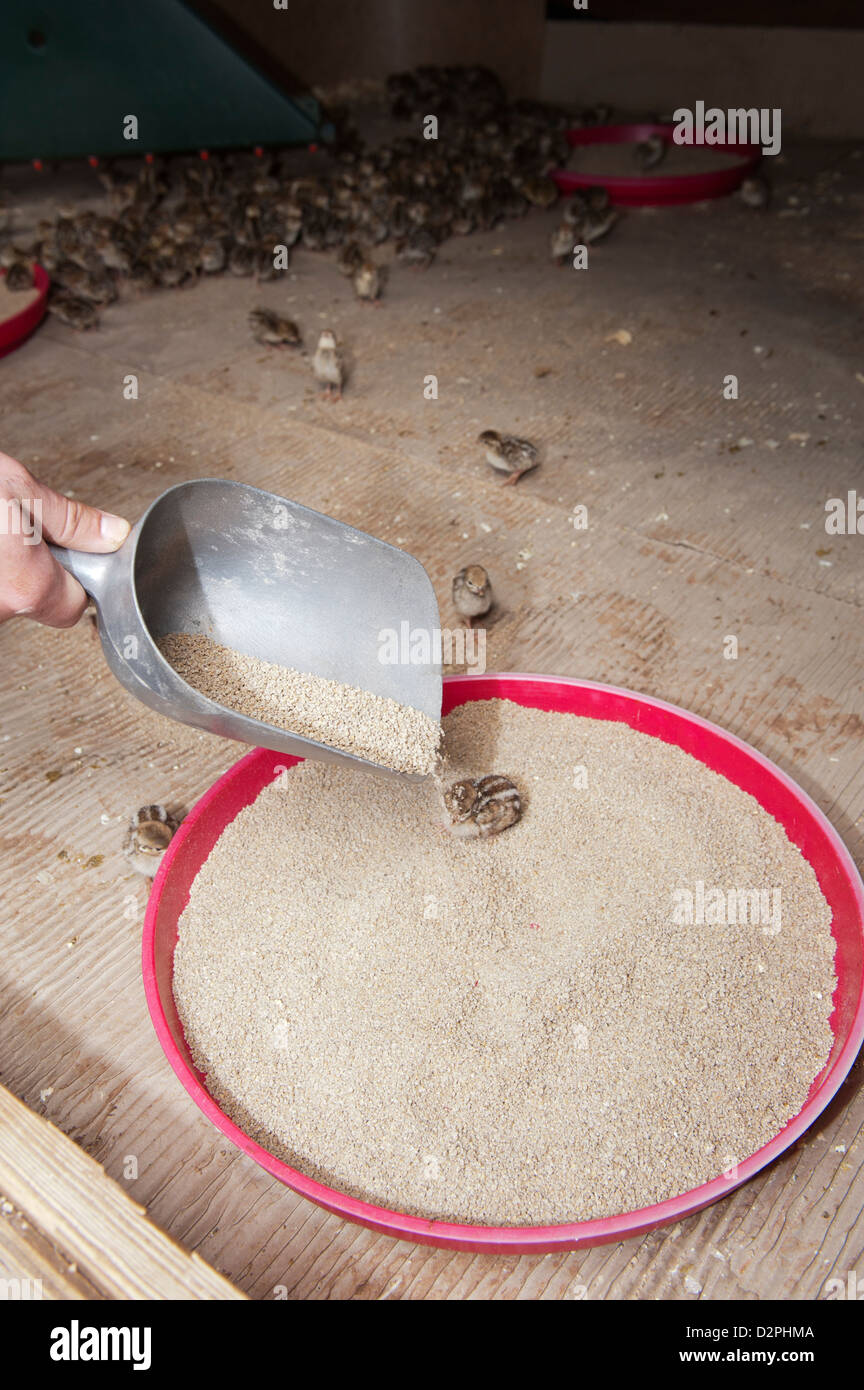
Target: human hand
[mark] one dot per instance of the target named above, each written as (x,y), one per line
(31,514)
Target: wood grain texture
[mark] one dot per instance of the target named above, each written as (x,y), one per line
(33,1267)
(99,1238)
(694,534)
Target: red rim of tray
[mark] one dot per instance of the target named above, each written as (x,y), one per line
(801,818)
(647,190)
(19,326)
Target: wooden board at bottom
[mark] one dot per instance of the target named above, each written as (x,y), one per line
(73,1230)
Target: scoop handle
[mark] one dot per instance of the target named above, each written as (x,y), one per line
(91,571)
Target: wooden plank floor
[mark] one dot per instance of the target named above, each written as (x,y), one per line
(706,519)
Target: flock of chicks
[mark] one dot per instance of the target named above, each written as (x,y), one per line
(173,223)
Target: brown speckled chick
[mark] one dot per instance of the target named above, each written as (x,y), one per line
(327,365)
(273,330)
(20,276)
(651,152)
(508,454)
(150,832)
(77,313)
(472,593)
(368,281)
(562,241)
(755,192)
(479,808)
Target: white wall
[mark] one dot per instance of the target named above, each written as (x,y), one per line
(815,76)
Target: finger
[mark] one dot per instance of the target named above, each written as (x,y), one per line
(33,584)
(76,525)
(63,520)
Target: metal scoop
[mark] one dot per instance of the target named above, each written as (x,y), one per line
(271,579)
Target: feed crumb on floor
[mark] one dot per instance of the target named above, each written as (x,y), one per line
(354,721)
(525,1029)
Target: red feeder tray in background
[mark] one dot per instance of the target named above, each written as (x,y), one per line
(656,190)
(19,326)
(800,817)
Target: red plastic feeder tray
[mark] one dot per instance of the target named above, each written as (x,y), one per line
(14,330)
(647,190)
(800,817)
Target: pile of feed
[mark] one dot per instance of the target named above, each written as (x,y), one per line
(523,1029)
(619,160)
(342,716)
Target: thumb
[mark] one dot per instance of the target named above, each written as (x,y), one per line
(66,521)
